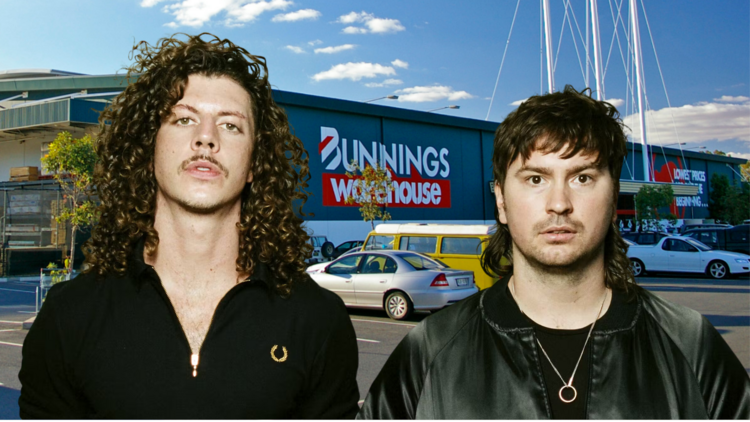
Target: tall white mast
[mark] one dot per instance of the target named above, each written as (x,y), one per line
(597,52)
(639,83)
(548,42)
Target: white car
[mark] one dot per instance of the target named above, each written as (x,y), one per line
(686,255)
(397,281)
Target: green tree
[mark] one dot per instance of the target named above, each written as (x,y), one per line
(717,197)
(648,200)
(370,190)
(745,171)
(71,161)
(737,203)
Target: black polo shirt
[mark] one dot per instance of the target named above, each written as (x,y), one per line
(113,347)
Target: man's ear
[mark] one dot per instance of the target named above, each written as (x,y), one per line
(500,202)
(250,176)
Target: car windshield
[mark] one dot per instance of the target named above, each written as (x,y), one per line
(419,262)
(698,244)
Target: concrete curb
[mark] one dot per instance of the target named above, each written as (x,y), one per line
(27,324)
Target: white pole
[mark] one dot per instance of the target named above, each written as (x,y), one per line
(639,84)
(548,41)
(597,52)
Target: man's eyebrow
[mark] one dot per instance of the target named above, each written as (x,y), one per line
(233,113)
(548,171)
(221,113)
(188,107)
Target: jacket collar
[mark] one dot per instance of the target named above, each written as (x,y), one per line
(501,311)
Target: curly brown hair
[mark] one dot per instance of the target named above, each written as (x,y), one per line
(270,232)
(574,122)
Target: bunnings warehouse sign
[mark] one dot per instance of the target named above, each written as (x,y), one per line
(419,175)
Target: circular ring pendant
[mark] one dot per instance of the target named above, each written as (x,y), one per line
(575,393)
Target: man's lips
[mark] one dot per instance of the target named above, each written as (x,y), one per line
(558,234)
(203,170)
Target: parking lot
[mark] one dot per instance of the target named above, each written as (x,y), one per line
(726,303)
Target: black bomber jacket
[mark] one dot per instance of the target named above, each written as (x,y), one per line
(478,359)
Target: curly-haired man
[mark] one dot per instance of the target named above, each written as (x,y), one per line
(567,334)
(195,303)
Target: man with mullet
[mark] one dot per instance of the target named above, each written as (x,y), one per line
(196,303)
(567,334)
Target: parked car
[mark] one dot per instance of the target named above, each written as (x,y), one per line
(686,227)
(460,246)
(322,249)
(346,246)
(735,239)
(645,238)
(397,281)
(683,254)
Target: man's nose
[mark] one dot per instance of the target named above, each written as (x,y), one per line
(558,201)
(206,136)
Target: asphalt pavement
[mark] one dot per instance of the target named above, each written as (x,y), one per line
(726,303)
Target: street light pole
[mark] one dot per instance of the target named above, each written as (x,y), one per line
(387,97)
(441,108)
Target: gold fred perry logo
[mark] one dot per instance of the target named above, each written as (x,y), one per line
(273,354)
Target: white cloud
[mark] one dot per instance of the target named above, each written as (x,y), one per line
(195,13)
(517,103)
(150,3)
(730,99)
(295,49)
(171,25)
(695,123)
(354,30)
(384,26)
(333,50)
(387,82)
(373,25)
(354,17)
(744,155)
(314,42)
(420,94)
(354,71)
(297,16)
(400,63)
(617,102)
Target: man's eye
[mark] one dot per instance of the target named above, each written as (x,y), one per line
(535,180)
(232,128)
(183,121)
(584,178)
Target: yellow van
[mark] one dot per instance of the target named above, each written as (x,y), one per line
(458,246)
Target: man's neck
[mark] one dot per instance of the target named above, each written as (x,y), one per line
(196,251)
(562,301)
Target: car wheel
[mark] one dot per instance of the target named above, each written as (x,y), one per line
(327,250)
(398,306)
(637,266)
(718,270)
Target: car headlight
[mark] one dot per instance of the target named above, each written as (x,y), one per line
(742,261)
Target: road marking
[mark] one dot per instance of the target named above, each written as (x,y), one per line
(384,322)
(26,312)
(367,340)
(19,291)
(12,322)
(14,329)
(11,344)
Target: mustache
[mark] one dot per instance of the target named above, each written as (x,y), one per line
(558,221)
(208,158)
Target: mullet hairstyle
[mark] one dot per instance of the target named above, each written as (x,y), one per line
(572,122)
(270,231)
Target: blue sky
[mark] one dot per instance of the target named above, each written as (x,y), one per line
(431,53)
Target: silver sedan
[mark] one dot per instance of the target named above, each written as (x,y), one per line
(397,281)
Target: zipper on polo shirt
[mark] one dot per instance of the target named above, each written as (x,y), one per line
(194,357)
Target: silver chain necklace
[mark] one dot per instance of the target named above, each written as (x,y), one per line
(568,384)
